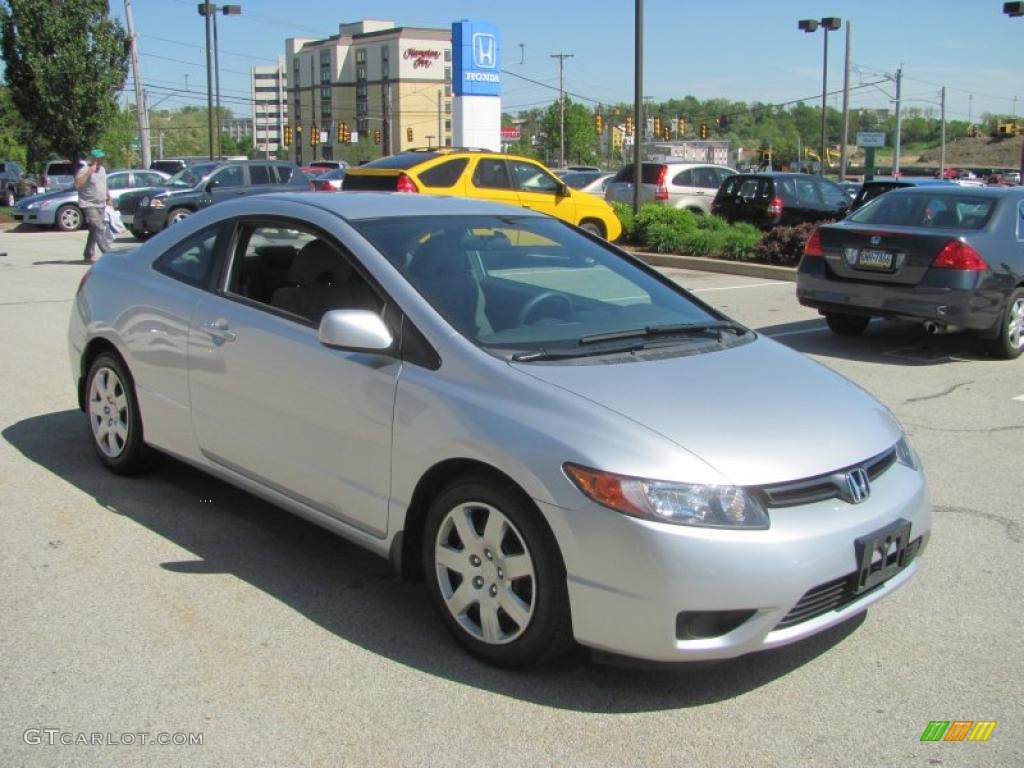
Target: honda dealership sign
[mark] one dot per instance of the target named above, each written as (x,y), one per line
(476,52)
(476,81)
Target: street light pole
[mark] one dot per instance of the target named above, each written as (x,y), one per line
(829,23)
(638,97)
(1016,9)
(561,104)
(942,161)
(205,9)
(208,10)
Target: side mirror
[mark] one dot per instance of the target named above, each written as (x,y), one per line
(562,190)
(355,330)
(212,184)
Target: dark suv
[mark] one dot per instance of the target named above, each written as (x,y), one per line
(880,185)
(772,199)
(198,186)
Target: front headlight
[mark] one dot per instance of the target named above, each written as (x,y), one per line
(906,455)
(156,202)
(709,506)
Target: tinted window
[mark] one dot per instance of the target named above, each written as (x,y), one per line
(60,169)
(148,179)
(191,261)
(491,174)
(706,178)
(228,176)
(407,160)
(649,173)
(445,174)
(833,194)
(684,179)
(259,174)
(921,209)
(118,181)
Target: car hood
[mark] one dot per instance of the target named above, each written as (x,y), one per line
(54,195)
(758,413)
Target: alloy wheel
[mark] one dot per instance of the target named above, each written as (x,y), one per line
(485,573)
(108,412)
(1015,324)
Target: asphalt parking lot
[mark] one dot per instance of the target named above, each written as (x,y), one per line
(175,605)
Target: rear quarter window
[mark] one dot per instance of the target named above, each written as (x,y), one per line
(444,175)
(921,209)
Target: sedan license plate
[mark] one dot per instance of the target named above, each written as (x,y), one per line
(881,554)
(872,259)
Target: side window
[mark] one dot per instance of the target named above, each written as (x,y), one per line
(1020,221)
(118,181)
(705,178)
(684,178)
(491,173)
(229,176)
(445,174)
(834,196)
(191,261)
(722,174)
(148,180)
(259,174)
(532,178)
(749,189)
(807,191)
(294,270)
(285,172)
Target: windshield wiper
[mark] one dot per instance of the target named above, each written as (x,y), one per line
(568,354)
(678,329)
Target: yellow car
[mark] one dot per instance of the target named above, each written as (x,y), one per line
(487,176)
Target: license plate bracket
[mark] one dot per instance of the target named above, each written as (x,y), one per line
(872,258)
(881,554)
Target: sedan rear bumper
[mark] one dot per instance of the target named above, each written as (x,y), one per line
(952,298)
(675,593)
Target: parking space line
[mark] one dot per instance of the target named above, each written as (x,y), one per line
(734,287)
(795,333)
(1019,398)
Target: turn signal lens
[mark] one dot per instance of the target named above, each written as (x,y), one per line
(775,207)
(708,506)
(813,246)
(956,254)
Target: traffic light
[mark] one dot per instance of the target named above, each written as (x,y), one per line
(287,138)
(408,133)
(657,127)
(629,125)
(703,130)
(376,135)
(598,123)
(682,126)
(666,132)
(298,132)
(344,134)
(314,135)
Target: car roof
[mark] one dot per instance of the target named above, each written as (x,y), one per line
(956,190)
(907,181)
(357,206)
(781,175)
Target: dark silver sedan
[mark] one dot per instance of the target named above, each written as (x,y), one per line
(949,256)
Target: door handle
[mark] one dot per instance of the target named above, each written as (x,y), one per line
(219,330)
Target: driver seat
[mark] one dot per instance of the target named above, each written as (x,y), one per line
(441,271)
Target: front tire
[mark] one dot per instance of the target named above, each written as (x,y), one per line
(178,215)
(495,575)
(114,421)
(592,227)
(1009,344)
(847,325)
(69,218)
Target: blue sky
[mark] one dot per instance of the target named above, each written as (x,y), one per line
(744,50)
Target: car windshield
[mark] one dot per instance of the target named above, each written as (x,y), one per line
(190,176)
(920,208)
(521,285)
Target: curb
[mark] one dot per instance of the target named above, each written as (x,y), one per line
(702,264)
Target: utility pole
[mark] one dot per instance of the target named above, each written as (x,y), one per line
(638,96)
(312,101)
(216,78)
(896,139)
(561,104)
(440,123)
(209,80)
(942,160)
(140,95)
(386,147)
(846,104)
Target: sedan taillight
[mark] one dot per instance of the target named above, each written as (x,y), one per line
(813,246)
(661,191)
(775,207)
(956,254)
(405,184)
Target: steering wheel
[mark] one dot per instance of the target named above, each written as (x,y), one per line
(560,306)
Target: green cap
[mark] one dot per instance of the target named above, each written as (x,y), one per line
(97,153)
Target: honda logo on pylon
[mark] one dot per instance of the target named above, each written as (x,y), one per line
(485,50)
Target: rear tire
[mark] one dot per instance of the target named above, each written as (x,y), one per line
(1009,344)
(495,575)
(847,325)
(115,424)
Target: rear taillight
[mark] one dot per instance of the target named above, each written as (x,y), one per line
(405,184)
(661,191)
(813,246)
(956,254)
(775,207)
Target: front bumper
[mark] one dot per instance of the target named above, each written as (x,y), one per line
(946,297)
(43,217)
(633,585)
(148,219)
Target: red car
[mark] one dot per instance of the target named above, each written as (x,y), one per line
(327,182)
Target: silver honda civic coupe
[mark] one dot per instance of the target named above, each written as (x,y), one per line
(562,442)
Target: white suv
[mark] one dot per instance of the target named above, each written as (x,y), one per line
(681,185)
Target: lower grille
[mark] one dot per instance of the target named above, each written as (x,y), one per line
(836,594)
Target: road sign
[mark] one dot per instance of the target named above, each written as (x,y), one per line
(870,139)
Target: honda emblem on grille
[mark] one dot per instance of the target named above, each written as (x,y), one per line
(875,240)
(858,486)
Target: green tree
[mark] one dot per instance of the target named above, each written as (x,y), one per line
(581,141)
(65,63)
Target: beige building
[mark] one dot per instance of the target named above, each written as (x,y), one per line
(269,106)
(390,86)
